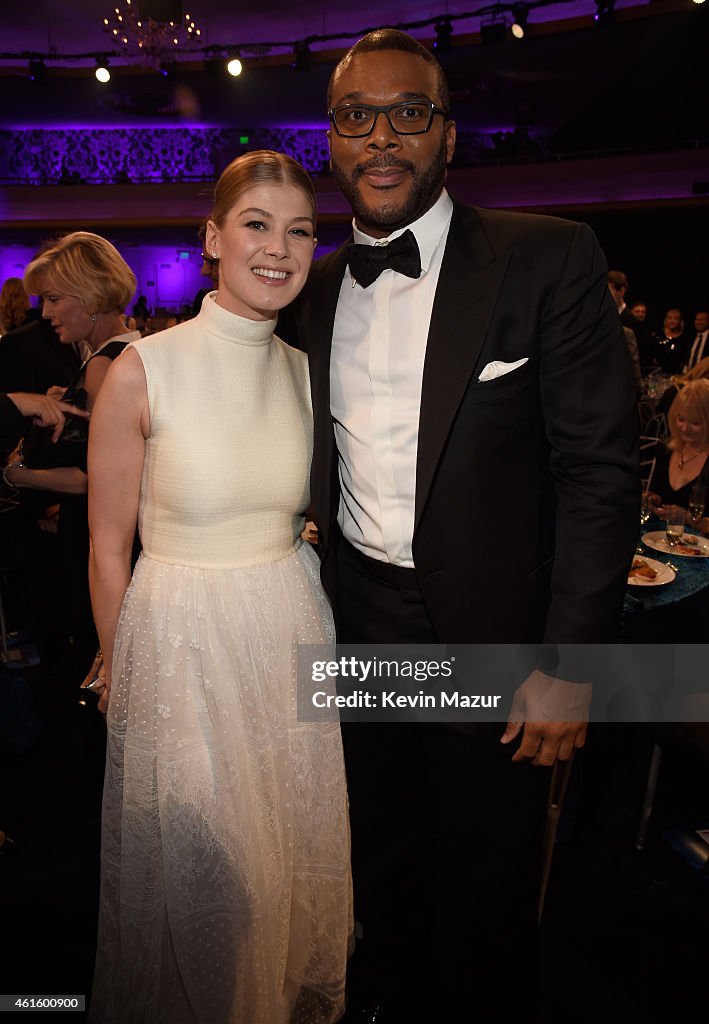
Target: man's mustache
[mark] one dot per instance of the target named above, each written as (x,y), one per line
(381,163)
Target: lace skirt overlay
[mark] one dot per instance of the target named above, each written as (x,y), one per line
(225,895)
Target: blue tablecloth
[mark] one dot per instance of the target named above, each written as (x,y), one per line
(679,610)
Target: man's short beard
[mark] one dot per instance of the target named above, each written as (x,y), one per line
(426,186)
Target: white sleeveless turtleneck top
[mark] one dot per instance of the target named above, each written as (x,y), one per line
(226,475)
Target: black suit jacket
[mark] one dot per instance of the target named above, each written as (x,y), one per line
(32,358)
(643,336)
(526,485)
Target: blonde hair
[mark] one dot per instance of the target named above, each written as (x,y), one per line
(698,372)
(14,304)
(261,167)
(87,267)
(681,318)
(692,402)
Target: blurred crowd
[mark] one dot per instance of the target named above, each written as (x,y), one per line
(61,324)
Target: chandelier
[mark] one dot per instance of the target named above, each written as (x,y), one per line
(149,31)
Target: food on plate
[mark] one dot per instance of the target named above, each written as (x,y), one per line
(685,549)
(641,568)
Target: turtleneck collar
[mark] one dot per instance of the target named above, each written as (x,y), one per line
(231,327)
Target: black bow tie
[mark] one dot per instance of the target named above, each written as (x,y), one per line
(367,261)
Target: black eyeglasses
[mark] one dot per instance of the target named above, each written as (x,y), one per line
(356,121)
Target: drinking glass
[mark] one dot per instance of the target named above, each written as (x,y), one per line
(645,513)
(697,502)
(674,527)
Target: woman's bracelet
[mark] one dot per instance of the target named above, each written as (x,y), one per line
(11,465)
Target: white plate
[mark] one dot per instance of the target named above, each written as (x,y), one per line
(665,574)
(658,542)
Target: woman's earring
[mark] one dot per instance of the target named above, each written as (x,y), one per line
(93,318)
(214,254)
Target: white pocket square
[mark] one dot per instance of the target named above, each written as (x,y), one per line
(499,369)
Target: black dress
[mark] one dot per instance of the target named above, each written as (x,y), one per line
(74,612)
(661,479)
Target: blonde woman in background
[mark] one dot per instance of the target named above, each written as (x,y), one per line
(84,285)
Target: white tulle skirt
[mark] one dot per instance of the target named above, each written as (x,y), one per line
(225,895)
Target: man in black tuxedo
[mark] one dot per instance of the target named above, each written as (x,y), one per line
(475,480)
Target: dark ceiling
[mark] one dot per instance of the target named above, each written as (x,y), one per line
(582,89)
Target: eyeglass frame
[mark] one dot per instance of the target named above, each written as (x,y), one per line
(433,109)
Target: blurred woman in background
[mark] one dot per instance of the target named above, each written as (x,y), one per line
(84,285)
(682,462)
(14,305)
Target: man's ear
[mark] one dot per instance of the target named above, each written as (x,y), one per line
(450,140)
(329,145)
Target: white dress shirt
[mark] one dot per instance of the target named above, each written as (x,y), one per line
(376,370)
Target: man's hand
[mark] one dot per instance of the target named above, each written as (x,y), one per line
(49,522)
(310,533)
(46,410)
(554,716)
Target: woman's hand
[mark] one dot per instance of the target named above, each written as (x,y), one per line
(654,500)
(105,693)
(46,410)
(49,522)
(15,457)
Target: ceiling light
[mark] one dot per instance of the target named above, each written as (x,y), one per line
(147,34)
(604,12)
(103,75)
(520,12)
(38,71)
(301,57)
(444,31)
(493,31)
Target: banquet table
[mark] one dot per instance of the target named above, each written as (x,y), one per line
(677,612)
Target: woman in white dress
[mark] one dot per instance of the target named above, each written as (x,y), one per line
(225,894)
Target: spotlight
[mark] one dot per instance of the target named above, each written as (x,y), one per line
(493,31)
(38,71)
(235,67)
(520,13)
(102,73)
(301,57)
(604,12)
(444,31)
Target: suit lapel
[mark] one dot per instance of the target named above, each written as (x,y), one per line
(323,296)
(468,285)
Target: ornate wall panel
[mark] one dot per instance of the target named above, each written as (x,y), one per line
(124,155)
(109,156)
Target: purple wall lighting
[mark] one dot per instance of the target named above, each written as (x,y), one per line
(167,279)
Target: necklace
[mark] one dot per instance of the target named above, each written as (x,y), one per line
(683,462)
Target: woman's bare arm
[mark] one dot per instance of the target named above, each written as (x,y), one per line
(119,426)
